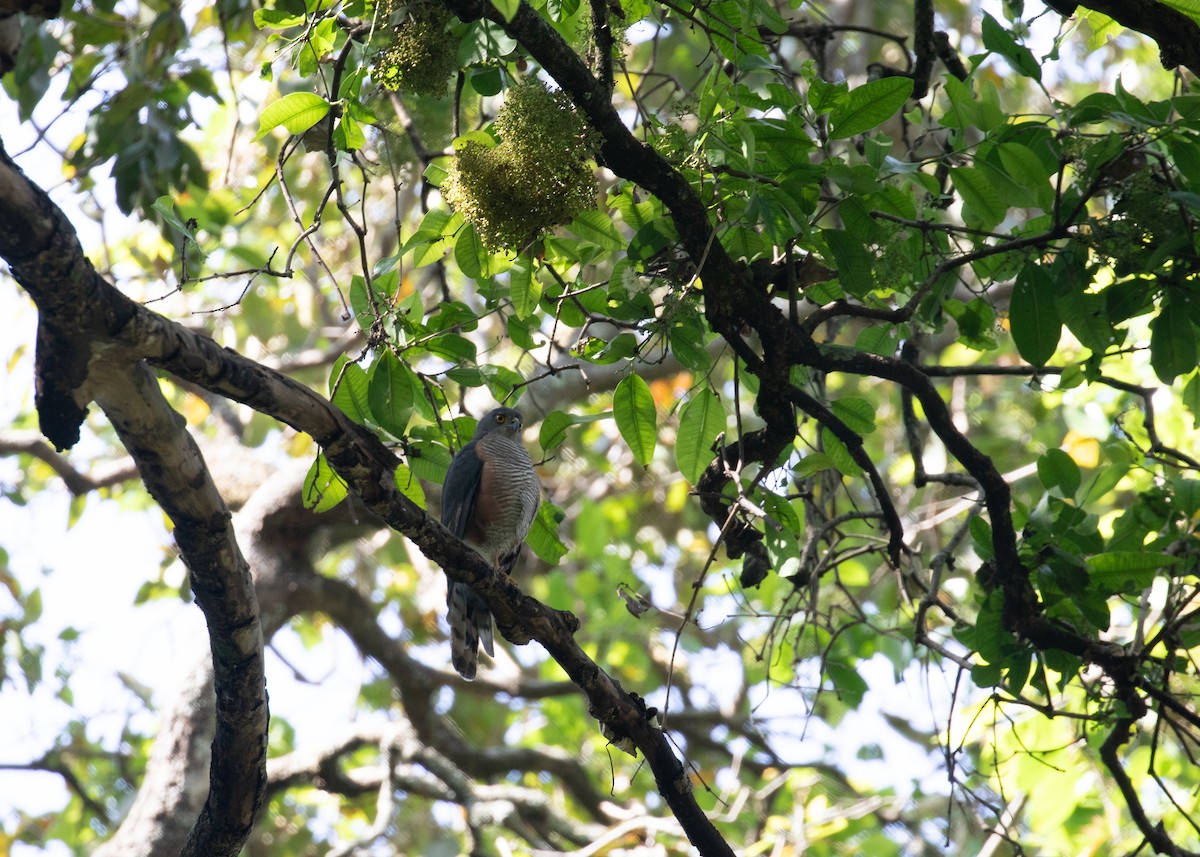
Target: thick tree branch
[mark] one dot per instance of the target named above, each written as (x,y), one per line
(75,314)
(175,475)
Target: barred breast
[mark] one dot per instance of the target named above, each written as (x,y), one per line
(509,496)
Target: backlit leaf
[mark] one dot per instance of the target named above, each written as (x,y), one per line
(633,409)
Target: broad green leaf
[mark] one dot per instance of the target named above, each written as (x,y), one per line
(812,463)
(1107,478)
(452,347)
(429,460)
(1140,565)
(857,413)
(852,260)
(276,19)
(296,111)
(976,322)
(982,205)
(524,288)
(981,537)
(390,394)
(1172,342)
(323,489)
(847,682)
(687,344)
(348,387)
(1058,470)
(553,430)
(469,253)
(1086,315)
(348,136)
(408,485)
(598,228)
(543,537)
(869,105)
(633,409)
(1026,170)
(823,96)
(1033,316)
(1187,495)
(701,420)
(488,80)
(434,226)
(997,38)
(964,109)
(502,382)
(839,454)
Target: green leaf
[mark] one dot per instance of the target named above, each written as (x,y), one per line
(976,322)
(846,680)
(323,489)
(964,109)
(554,430)
(981,537)
(487,80)
(1058,470)
(390,394)
(1086,315)
(429,460)
(701,420)
(857,413)
(852,261)
(348,385)
(469,253)
(296,111)
(408,485)
(1135,566)
(1106,479)
(1000,40)
(982,205)
(501,382)
(1172,342)
(633,409)
(543,537)
(348,136)
(814,462)
(869,105)
(839,454)
(823,96)
(598,228)
(1033,316)
(1027,171)
(524,288)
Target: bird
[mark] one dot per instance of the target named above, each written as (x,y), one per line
(490,498)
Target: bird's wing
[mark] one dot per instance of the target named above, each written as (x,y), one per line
(461,490)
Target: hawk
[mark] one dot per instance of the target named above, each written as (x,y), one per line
(490,499)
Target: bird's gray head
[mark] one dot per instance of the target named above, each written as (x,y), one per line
(501,419)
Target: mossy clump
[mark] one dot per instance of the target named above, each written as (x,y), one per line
(537,177)
(421,57)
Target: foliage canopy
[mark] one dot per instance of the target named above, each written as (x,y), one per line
(862,348)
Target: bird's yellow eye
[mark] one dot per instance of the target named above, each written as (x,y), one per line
(500,418)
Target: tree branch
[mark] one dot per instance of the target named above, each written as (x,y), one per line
(78,483)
